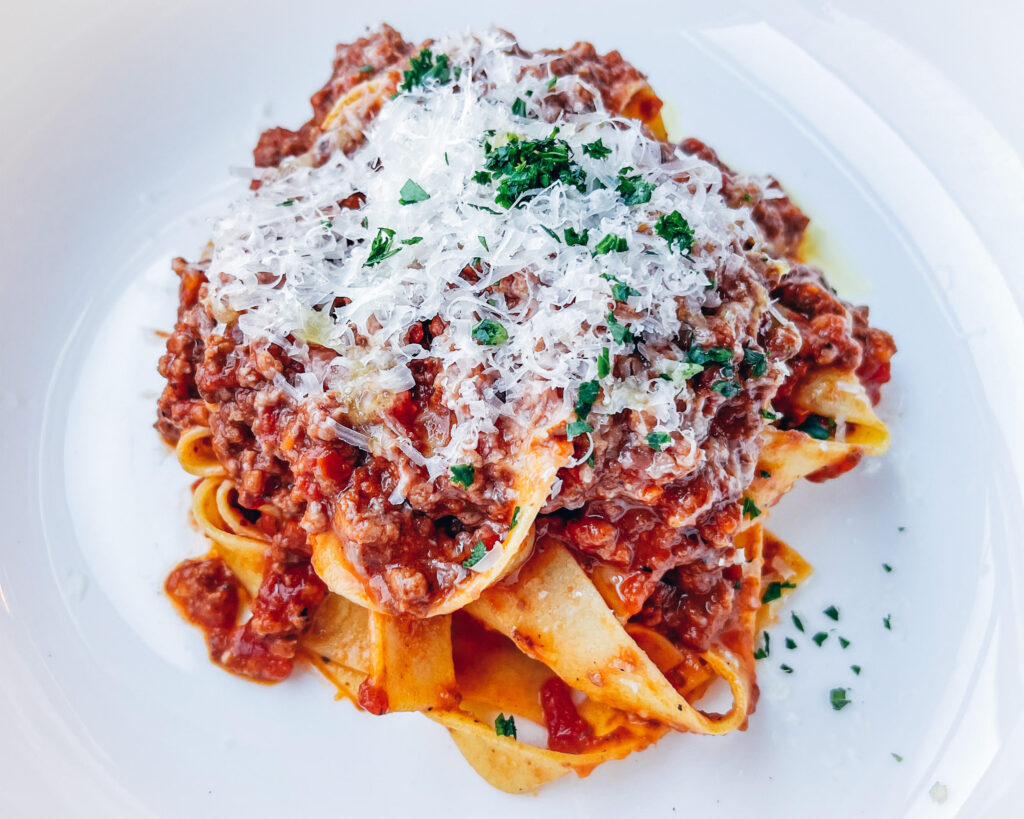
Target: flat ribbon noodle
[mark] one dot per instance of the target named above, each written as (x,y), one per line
(555,614)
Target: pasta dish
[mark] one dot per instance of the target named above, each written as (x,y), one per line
(488,389)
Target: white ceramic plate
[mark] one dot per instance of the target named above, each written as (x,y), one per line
(121,121)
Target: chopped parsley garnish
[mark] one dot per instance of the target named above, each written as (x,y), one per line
(475,556)
(887,567)
(837,696)
(765,650)
(411,193)
(596,149)
(574,428)
(505,726)
(286,203)
(820,638)
(764,473)
(620,332)
(887,620)
(774,590)
(483,241)
(711,355)
(603,363)
(590,460)
(551,82)
(551,233)
(415,240)
(425,67)
(675,230)
(611,243)
(855,669)
(326,224)
(790,643)
(656,440)
(482,177)
(586,398)
(769,415)
(844,643)
(367,69)
(515,519)
(572,238)
(445,157)
(382,247)
(896,756)
(620,291)
(797,622)
(633,189)
(750,510)
(464,474)
(832,612)
(729,389)
(531,165)
(901,528)
(786,668)
(818,427)
(757,361)
(519,107)
(490,332)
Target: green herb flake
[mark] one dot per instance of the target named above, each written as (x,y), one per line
(790,643)
(763,652)
(572,238)
(286,203)
(820,638)
(620,332)
(818,427)
(887,620)
(475,556)
(786,668)
(750,510)
(483,241)
(896,756)
(768,415)
(515,519)
(838,698)
(551,83)
(656,440)
(764,473)
(596,149)
(574,428)
(445,157)
(604,366)
(326,224)
(585,398)
(855,669)
(519,107)
(367,69)
(424,67)
(832,613)
(728,389)
(490,333)
(710,355)
(887,567)
(505,726)
(590,460)
(464,474)
(774,590)
(413,240)
(620,291)
(611,244)
(551,233)
(844,643)
(797,622)
(411,193)
(382,247)
(675,230)
(757,362)
(633,189)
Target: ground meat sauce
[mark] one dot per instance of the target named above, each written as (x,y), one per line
(668,536)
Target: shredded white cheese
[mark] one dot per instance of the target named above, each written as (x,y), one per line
(283,254)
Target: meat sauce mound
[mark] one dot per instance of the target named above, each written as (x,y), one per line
(610,511)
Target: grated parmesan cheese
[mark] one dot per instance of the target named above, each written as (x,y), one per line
(281,256)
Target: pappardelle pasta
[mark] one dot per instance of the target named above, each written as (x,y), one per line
(488,390)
